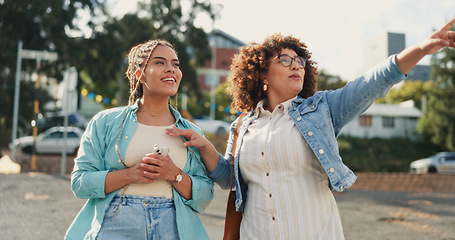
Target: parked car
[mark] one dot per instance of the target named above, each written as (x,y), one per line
(443,162)
(51,141)
(212,126)
(56,119)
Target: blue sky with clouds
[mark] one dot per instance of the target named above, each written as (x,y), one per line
(334,30)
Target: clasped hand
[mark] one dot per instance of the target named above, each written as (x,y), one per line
(154,166)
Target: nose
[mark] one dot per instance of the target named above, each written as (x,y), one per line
(295,65)
(170,68)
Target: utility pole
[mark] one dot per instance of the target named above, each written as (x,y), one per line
(213,76)
(70,83)
(35,113)
(38,56)
(16,99)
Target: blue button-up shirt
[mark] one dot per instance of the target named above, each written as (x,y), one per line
(97,156)
(319,119)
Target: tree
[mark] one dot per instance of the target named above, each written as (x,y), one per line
(103,61)
(410,90)
(100,55)
(41,25)
(327,81)
(199,106)
(438,123)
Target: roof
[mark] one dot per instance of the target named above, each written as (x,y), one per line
(392,110)
(228,37)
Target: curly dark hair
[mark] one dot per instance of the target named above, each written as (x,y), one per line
(252,62)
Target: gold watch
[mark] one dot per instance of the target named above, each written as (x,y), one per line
(179,177)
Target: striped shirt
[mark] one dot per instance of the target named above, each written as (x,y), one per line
(288,193)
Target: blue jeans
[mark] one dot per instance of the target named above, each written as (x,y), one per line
(139,217)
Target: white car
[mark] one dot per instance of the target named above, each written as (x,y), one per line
(51,141)
(212,126)
(443,162)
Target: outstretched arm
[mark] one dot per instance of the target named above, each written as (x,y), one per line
(441,38)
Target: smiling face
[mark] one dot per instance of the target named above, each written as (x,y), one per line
(162,75)
(284,83)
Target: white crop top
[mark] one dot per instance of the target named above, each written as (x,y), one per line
(143,141)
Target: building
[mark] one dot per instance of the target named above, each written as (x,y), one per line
(382,46)
(385,121)
(419,72)
(223,46)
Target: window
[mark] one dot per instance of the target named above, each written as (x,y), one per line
(365,121)
(388,122)
(72,135)
(55,135)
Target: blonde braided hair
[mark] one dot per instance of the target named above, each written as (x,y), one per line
(138,58)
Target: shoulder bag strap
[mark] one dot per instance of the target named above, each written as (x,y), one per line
(234,144)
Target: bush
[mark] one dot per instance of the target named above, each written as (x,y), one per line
(366,155)
(382,155)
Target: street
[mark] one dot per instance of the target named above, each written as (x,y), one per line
(38,205)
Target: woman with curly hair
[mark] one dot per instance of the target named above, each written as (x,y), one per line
(133,192)
(287,160)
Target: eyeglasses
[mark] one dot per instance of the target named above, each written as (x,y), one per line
(286,60)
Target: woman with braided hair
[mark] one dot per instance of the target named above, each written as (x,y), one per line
(133,192)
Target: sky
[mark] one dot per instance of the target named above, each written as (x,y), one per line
(334,31)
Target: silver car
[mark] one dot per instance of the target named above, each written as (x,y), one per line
(212,126)
(443,162)
(51,141)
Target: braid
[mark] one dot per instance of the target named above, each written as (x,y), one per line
(138,58)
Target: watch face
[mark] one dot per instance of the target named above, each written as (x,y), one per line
(179,177)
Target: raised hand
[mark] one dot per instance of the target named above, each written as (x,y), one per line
(444,37)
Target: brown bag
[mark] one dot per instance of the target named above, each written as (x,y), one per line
(233,218)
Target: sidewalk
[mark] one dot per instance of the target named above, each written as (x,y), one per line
(39,205)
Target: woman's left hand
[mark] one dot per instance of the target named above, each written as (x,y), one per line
(159,167)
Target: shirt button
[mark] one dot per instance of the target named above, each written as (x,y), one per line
(332,170)
(295,108)
(299,118)
(279,107)
(310,133)
(321,151)
(270,195)
(267,174)
(273,218)
(312,106)
(342,188)
(126,137)
(134,120)
(119,161)
(262,153)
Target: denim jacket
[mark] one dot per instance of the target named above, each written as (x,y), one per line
(319,119)
(97,156)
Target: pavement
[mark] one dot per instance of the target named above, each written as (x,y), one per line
(40,205)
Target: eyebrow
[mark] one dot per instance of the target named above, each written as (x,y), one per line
(172,60)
